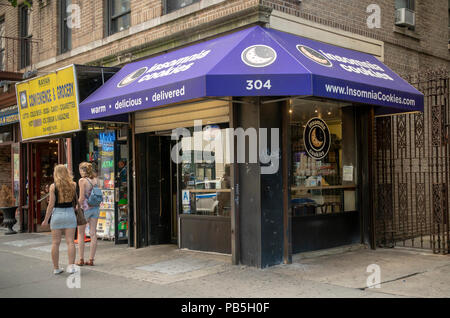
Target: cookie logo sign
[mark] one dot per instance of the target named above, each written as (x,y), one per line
(317,138)
(314,55)
(132,77)
(258,55)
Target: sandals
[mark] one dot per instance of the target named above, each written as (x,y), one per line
(90,262)
(80,262)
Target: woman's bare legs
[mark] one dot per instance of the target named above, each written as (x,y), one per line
(93,234)
(56,240)
(70,234)
(81,231)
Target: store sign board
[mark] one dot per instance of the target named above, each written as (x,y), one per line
(48,105)
(9,115)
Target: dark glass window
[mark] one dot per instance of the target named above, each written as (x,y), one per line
(6,133)
(2,44)
(119,13)
(323,158)
(25,34)
(408,4)
(173,5)
(65,32)
(205,172)
(449,13)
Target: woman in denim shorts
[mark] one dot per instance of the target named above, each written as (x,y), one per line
(87,182)
(60,208)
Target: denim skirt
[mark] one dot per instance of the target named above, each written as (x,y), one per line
(92,212)
(63,218)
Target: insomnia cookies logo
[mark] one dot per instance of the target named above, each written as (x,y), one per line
(258,55)
(317,138)
(314,55)
(132,77)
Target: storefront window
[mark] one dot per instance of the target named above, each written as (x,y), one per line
(323,158)
(16,173)
(205,172)
(6,133)
(109,157)
(101,155)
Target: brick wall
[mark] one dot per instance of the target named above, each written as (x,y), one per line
(406,52)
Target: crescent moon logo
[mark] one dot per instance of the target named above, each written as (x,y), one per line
(130,78)
(258,55)
(314,140)
(314,55)
(316,137)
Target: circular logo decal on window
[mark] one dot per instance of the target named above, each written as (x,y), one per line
(314,55)
(317,138)
(23,100)
(132,77)
(258,55)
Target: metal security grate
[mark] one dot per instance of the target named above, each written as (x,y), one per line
(412,172)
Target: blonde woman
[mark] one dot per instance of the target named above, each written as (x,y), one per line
(87,182)
(60,208)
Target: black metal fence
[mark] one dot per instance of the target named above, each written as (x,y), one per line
(412,171)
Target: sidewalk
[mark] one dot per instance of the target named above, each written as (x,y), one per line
(165,271)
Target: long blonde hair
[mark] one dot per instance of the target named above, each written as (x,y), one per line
(88,170)
(64,183)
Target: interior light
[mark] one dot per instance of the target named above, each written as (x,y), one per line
(290,111)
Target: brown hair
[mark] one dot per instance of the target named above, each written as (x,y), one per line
(88,170)
(64,183)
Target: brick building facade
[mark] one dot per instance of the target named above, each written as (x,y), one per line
(151,31)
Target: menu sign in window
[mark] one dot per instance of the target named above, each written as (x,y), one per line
(48,105)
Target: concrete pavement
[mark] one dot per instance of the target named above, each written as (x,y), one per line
(165,271)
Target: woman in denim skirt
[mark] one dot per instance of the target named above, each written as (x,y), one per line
(60,208)
(87,182)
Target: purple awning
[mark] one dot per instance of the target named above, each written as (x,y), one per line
(252,62)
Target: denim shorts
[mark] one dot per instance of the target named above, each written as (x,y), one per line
(93,212)
(63,218)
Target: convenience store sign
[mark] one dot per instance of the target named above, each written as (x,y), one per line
(48,105)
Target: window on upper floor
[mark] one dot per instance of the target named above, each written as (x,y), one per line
(173,5)
(405,15)
(449,13)
(65,32)
(119,13)
(2,44)
(25,35)
(408,4)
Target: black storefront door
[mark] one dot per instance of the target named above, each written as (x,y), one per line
(157,191)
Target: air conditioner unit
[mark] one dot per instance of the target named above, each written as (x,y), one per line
(405,17)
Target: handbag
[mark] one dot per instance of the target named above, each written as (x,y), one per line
(81,220)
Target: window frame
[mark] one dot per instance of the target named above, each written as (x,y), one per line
(410,5)
(2,46)
(25,38)
(65,33)
(165,11)
(110,18)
